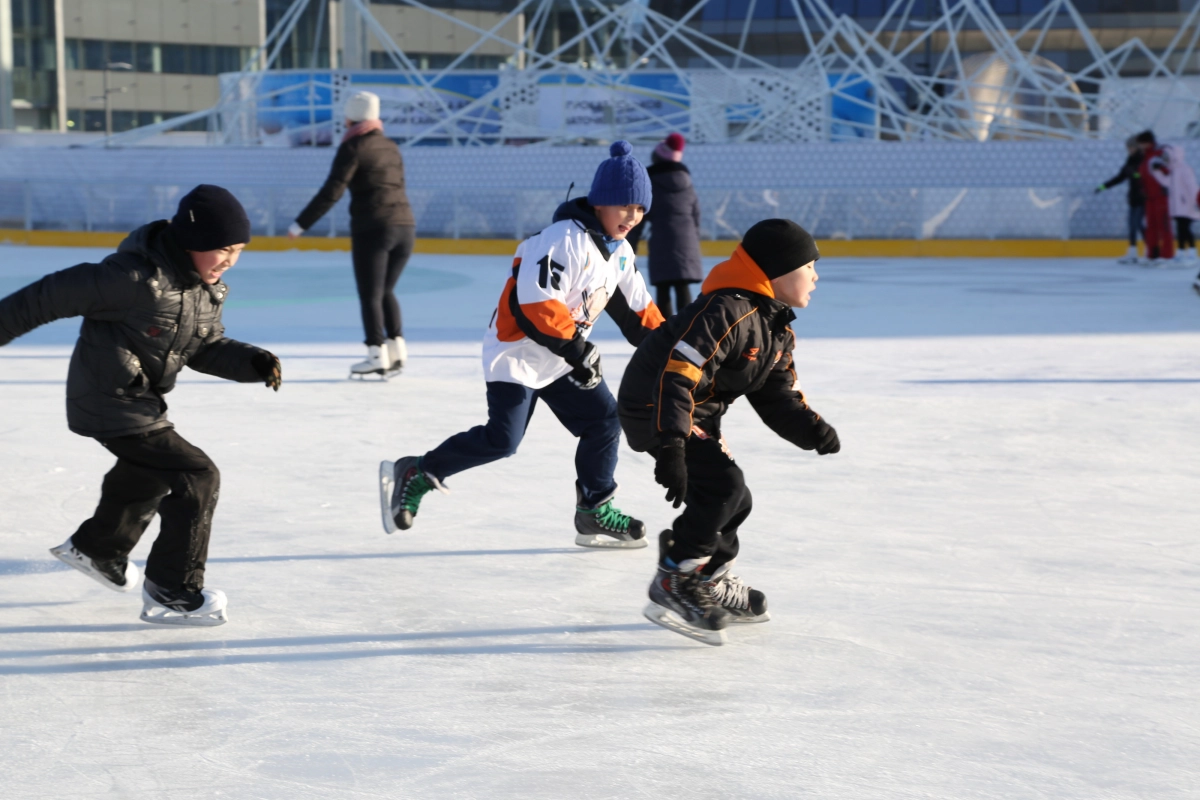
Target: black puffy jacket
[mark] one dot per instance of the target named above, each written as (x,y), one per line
(674,219)
(147,315)
(734,340)
(371,166)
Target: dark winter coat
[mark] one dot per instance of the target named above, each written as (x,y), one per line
(146,315)
(674,220)
(1131,172)
(734,340)
(370,165)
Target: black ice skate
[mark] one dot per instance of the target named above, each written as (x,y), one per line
(743,603)
(205,608)
(118,574)
(604,526)
(402,484)
(681,600)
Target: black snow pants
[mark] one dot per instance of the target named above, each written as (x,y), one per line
(717,501)
(379,256)
(683,296)
(159,473)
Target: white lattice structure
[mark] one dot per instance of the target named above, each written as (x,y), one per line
(632,81)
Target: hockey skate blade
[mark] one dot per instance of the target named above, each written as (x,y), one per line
(157,615)
(763,617)
(661,616)
(387,482)
(602,542)
(67,554)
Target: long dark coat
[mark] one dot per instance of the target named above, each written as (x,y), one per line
(674,225)
(147,315)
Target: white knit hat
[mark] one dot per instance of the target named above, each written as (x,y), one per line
(362,106)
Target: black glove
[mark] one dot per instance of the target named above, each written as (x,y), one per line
(269,368)
(670,469)
(587,374)
(825,438)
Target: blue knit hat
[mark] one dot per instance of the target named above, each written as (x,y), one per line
(620,180)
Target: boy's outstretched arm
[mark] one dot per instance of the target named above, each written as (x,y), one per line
(631,306)
(100,291)
(238,361)
(781,405)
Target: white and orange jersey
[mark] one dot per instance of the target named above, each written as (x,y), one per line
(562,278)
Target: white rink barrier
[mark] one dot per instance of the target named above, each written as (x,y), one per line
(889,190)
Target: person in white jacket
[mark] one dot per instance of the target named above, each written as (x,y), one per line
(537,348)
(1179,179)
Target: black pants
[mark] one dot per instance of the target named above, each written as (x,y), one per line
(683,296)
(1183,233)
(379,257)
(161,473)
(717,500)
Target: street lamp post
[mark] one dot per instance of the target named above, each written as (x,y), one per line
(108,92)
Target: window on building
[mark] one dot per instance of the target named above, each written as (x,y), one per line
(766,9)
(147,57)
(120,53)
(93,120)
(174,59)
(94,56)
(71,54)
(123,120)
(228,59)
(715,9)
(200,59)
(74,119)
(149,118)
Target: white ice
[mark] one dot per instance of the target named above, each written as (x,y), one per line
(991,592)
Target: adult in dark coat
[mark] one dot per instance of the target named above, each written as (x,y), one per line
(149,310)
(1136,196)
(382,228)
(674,226)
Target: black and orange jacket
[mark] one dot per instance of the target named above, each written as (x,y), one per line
(734,340)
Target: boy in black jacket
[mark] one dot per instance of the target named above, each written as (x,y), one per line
(733,340)
(149,309)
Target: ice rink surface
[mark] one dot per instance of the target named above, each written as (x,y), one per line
(993,591)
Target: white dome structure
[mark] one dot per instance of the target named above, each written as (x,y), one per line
(1032,98)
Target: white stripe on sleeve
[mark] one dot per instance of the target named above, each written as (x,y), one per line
(690,353)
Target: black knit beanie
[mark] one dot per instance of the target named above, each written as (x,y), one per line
(210,218)
(779,246)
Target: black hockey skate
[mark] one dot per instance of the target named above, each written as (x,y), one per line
(205,608)
(742,603)
(681,600)
(118,574)
(402,484)
(605,526)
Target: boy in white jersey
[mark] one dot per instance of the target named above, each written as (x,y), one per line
(537,348)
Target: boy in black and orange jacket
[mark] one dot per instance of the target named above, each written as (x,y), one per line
(733,340)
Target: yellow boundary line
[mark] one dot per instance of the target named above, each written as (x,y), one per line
(877,248)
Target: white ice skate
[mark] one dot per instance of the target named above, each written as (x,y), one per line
(106,573)
(397,352)
(162,607)
(375,365)
(1130,257)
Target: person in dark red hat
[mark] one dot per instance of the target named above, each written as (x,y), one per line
(734,340)
(149,310)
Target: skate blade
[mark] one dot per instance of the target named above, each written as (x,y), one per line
(602,542)
(763,617)
(165,616)
(387,482)
(132,575)
(362,376)
(661,616)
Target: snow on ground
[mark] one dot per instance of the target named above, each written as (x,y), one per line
(991,592)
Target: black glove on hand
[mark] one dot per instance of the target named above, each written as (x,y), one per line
(268,366)
(587,374)
(826,439)
(670,470)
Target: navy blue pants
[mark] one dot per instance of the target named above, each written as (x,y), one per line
(1137,221)
(589,414)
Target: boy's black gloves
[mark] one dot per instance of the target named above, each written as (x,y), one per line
(670,469)
(267,365)
(825,439)
(587,374)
